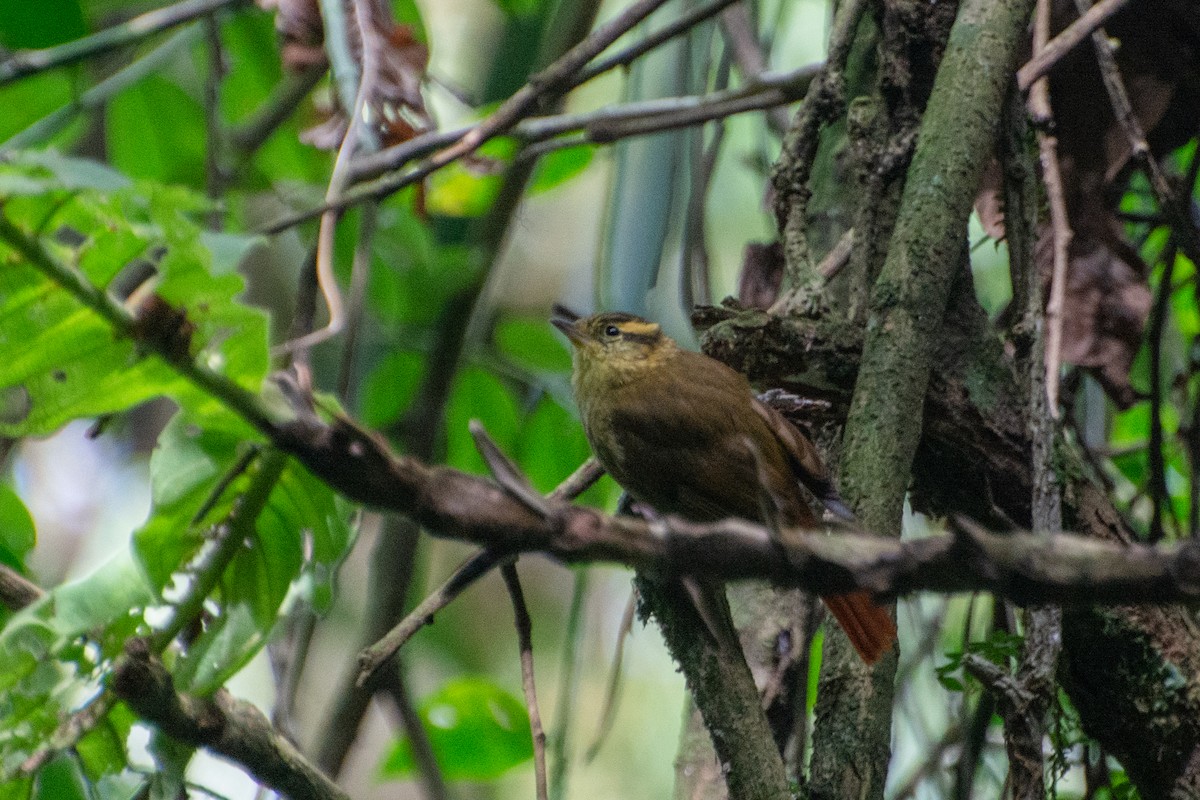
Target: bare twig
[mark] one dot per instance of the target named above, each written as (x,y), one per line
(578,481)
(346,73)
(152,62)
(471,570)
(17,591)
(679,26)
(749,56)
(525,641)
(613,690)
(1183,226)
(824,102)
(542,87)
(506,472)
(29,62)
(1039,107)
(1047,56)
(838,257)
(605,124)
(285,96)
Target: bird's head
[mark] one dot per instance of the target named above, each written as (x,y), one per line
(613,346)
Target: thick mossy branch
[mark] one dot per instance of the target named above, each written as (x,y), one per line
(909,299)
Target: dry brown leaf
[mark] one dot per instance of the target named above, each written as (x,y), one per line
(396,107)
(761,274)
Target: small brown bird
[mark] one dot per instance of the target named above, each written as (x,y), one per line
(685,434)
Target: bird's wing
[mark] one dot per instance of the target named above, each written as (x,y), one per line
(804,458)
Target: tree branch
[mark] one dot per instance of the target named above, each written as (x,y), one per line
(231,728)
(28,62)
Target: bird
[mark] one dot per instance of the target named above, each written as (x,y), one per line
(685,434)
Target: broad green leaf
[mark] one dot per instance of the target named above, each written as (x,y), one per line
(226,645)
(102,753)
(558,167)
(477,730)
(477,394)
(53,654)
(390,387)
(300,536)
(61,779)
(533,344)
(551,445)
(407,12)
(155,130)
(59,360)
(17,534)
(467,190)
(41,24)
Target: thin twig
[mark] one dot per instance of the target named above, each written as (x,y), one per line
(1039,107)
(568,690)
(749,56)
(1182,224)
(506,472)
(28,62)
(17,591)
(545,85)
(285,97)
(762,91)
(1047,56)
(471,570)
(679,26)
(837,258)
(347,75)
(578,481)
(525,641)
(608,712)
(152,62)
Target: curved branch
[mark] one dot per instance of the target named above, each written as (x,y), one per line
(231,728)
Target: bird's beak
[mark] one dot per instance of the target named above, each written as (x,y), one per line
(564,319)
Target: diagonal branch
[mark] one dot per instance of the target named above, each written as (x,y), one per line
(28,62)
(231,728)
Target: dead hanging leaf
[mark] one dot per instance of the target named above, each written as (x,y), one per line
(761,275)
(299,23)
(396,108)
(1107,295)
(1106,305)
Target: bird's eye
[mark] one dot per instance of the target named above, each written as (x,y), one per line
(612,330)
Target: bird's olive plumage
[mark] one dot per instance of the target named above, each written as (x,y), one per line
(682,431)
(685,434)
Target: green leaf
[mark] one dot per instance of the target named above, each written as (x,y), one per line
(60,779)
(551,445)
(155,130)
(59,360)
(390,387)
(53,655)
(477,394)
(17,533)
(300,537)
(407,12)
(41,24)
(477,731)
(532,343)
(559,166)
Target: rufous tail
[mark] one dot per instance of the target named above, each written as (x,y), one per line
(869,626)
